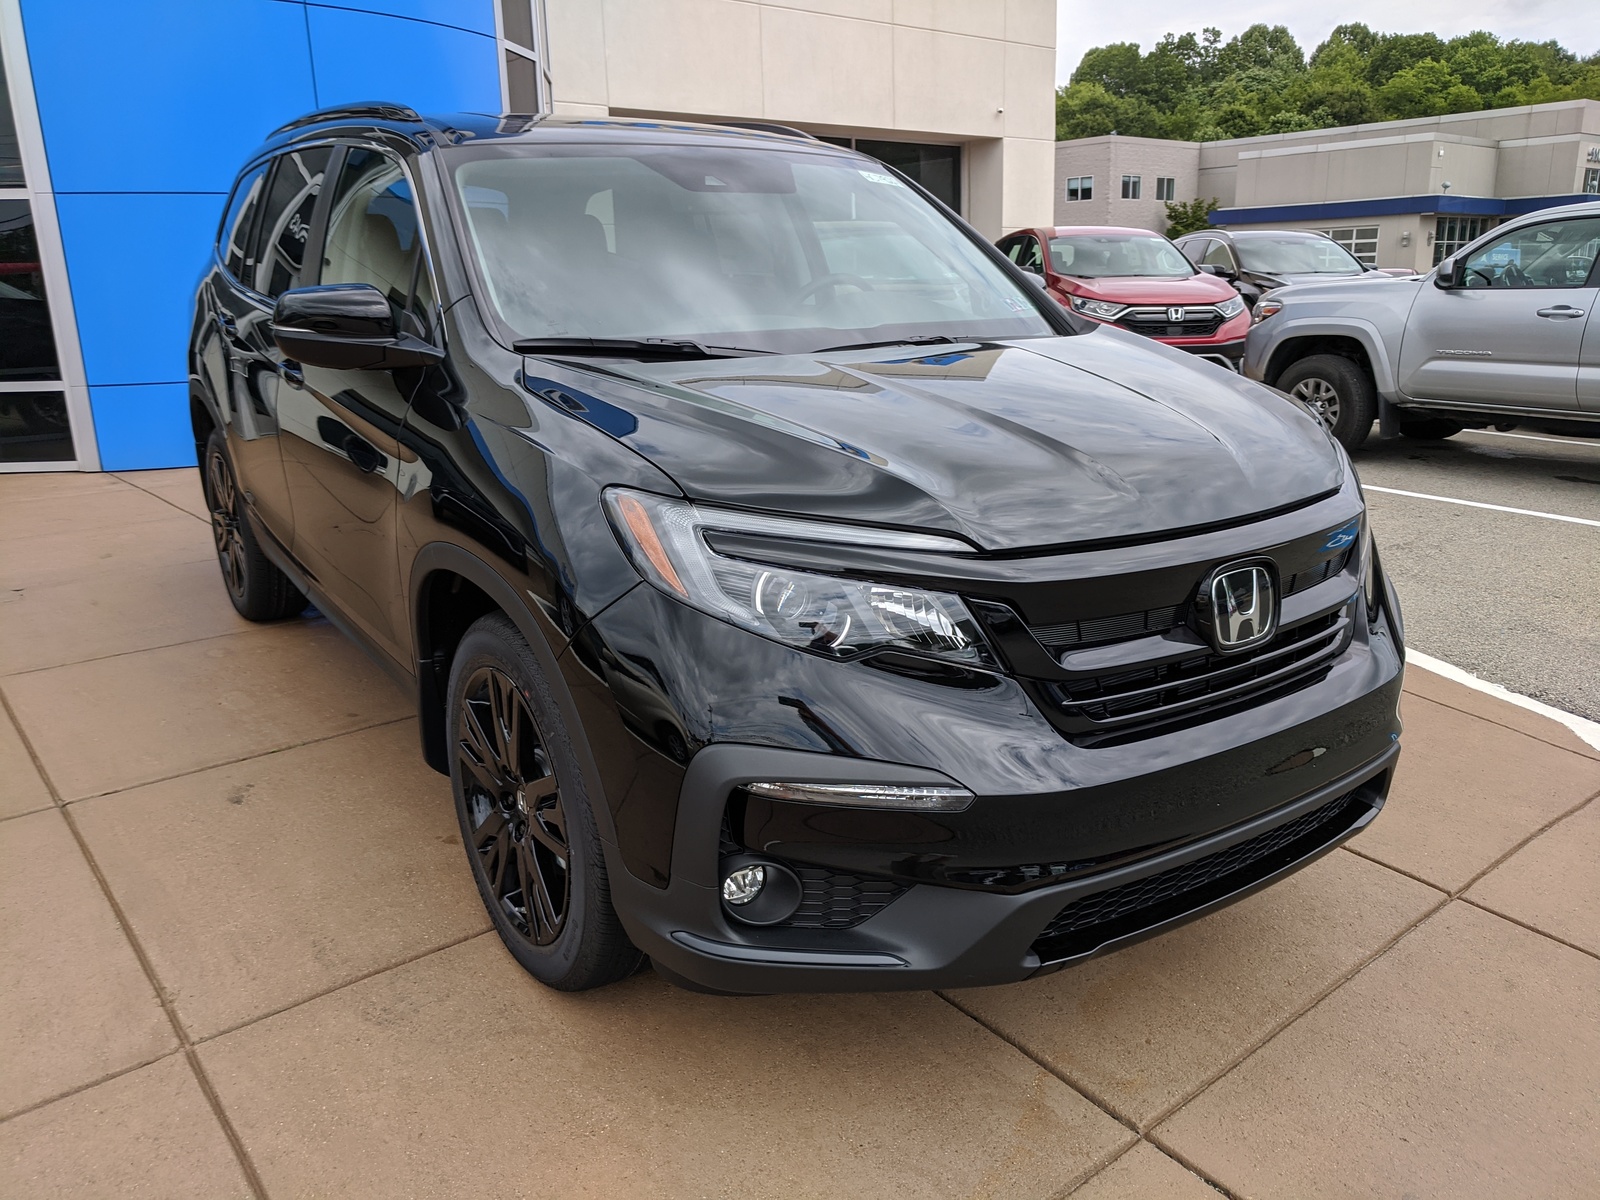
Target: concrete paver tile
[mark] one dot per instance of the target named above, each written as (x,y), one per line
(21,789)
(1466,791)
(341,858)
(39,559)
(1141,1028)
(1425,683)
(115,722)
(69,514)
(414,1082)
(1145,1173)
(97,613)
(1461,1064)
(74,1004)
(147,1133)
(179,486)
(30,485)
(1553,883)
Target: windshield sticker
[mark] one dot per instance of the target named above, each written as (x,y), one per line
(875,177)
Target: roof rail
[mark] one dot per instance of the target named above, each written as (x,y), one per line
(378,110)
(767,127)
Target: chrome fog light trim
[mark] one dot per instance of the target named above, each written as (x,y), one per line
(922,797)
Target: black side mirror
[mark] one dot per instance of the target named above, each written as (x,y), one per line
(1449,275)
(345,326)
(1219,271)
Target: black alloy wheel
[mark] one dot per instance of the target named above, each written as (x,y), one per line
(259,591)
(224,505)
(513,802)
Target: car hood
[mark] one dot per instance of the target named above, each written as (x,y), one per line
(1104,436)
(1197,289)
(1276,279)
(1351,289)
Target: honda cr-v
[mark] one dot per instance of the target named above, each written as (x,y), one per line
(791,590)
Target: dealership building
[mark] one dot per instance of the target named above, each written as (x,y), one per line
(1396,194)
(124,122)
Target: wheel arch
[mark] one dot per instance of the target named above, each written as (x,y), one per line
(1356,341)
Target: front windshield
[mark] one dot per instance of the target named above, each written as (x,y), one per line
(1296,256)
(762,249)
(1097,255)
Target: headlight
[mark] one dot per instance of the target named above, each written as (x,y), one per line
(1266,308)
(1103,309)
(1231,308)
(840,618)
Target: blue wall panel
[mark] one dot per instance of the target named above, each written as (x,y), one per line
(432,68)
(143,426)
(134,262)
(476,15)
(162,97)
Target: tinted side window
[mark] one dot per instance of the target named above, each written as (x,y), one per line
(1195,251)
(1029,256)
(233,243)
(1557,254)
(1219,256)
(373,235)
(286,219)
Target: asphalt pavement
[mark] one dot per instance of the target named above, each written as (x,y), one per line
(1513,597)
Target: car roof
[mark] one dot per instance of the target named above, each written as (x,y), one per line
(1091,230)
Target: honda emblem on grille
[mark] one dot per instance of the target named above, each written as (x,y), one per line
(1175,315)
(1239,607)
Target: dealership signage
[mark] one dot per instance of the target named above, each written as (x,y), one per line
(1594,153)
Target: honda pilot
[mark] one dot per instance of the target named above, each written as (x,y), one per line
(792,592)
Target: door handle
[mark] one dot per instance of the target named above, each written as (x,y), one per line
(1559,311)
(292,374)
(339,436)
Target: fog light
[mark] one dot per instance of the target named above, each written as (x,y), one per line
(744,885)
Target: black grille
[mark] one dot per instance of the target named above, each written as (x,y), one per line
(1093,920)
(1107,629)
(1197,322)
(1321,573)
(1194,688)
(834,900)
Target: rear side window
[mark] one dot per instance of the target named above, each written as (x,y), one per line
(233,243)
(286,219)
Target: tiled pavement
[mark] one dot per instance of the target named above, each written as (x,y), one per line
(239,954)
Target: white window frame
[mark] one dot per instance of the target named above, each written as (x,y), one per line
(1079,184)
(1132,187)
(1166,187)
(47,232)
(1591,181)
(538,55)
(1356,239)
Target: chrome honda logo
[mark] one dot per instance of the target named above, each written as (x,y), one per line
(1243,607)
(1175,315)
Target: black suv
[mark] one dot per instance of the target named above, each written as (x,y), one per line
(1257,260)
(793,593)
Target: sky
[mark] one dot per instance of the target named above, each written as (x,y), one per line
(1081,24)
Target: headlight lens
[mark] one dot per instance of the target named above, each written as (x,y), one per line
(840,618)
(1103,309)
(1231,308)
(1371,575)
(1267,308)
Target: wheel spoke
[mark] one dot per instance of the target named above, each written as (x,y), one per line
(549,834)
(541,906)
(539,790)
(480,746)
(489,831)
(497,860)
(506,718)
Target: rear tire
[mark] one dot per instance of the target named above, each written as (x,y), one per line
(1338,391)
(1430,429)
(259,591)
(525,816)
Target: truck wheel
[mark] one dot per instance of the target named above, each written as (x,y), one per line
(1338,391)
(1429,429)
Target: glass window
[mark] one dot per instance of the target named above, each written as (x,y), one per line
(1296,255)
(233,242)
(1080,187)
(1026,254)
(10,153)
(1557,254)
(286,219)
(1166,187)
(1454,233)
(1130,186)
(1195,249)
(937,168)
(373,236)
(1093,256)
(1360,240)
(1591,181)
(1218,255)
(768,250)
(34,426)
(27,342)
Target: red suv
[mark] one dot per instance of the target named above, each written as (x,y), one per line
(1137,280)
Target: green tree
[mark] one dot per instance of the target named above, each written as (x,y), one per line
(1186,216)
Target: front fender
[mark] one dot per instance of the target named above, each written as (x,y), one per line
(1266,341)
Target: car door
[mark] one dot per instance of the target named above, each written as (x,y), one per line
(1512,334)
(342,427)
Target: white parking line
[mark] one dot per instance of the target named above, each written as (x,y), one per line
(1521,512)
(1584,443)
(1586,729)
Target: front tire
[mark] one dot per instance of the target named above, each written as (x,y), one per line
(1338,391)
(525,816)
(259,591)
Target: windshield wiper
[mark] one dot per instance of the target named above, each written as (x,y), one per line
(628,347)
(920,339)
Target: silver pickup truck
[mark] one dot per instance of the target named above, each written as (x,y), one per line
(1502,333)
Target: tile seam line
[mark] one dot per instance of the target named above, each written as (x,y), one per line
(1582,728)
(1521,924)
(99,658)
(341,986)
(1593,755)
(175,1052)
(1449,898)
(1079,1088)
(164,500)
(185,1046)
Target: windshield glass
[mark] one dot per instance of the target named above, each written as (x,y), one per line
(1092,256)
(761,249)
(1296,256)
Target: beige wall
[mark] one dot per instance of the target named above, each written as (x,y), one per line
(1108,159)
(975,72)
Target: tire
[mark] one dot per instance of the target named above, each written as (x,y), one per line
(1429,429)
(259,591)
(526,820)
(1338,391)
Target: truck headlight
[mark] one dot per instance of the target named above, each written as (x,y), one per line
(1267,308)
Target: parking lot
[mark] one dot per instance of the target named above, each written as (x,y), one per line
(1507,595)
(240,953)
